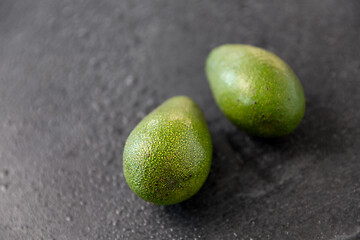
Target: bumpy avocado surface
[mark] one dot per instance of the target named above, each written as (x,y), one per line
(167,157)
(255,89)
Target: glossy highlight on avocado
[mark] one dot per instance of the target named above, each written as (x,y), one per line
(167,157)
(255,89)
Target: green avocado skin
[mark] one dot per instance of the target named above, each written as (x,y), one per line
(168,155)
(255,89)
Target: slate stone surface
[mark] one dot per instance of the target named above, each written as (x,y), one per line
(77,76)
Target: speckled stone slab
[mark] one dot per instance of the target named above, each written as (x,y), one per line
(76,76)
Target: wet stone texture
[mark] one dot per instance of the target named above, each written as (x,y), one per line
(77,76)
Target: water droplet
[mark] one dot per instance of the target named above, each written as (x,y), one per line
(107,178)
(95,106)
(252,222)
(125,120)
(140,114)
(4,173)
(150,102)
(4,187)
(129,80)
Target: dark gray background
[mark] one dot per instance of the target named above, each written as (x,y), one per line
(77,76)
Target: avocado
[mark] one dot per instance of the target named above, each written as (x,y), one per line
(255,89)
(167,157)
